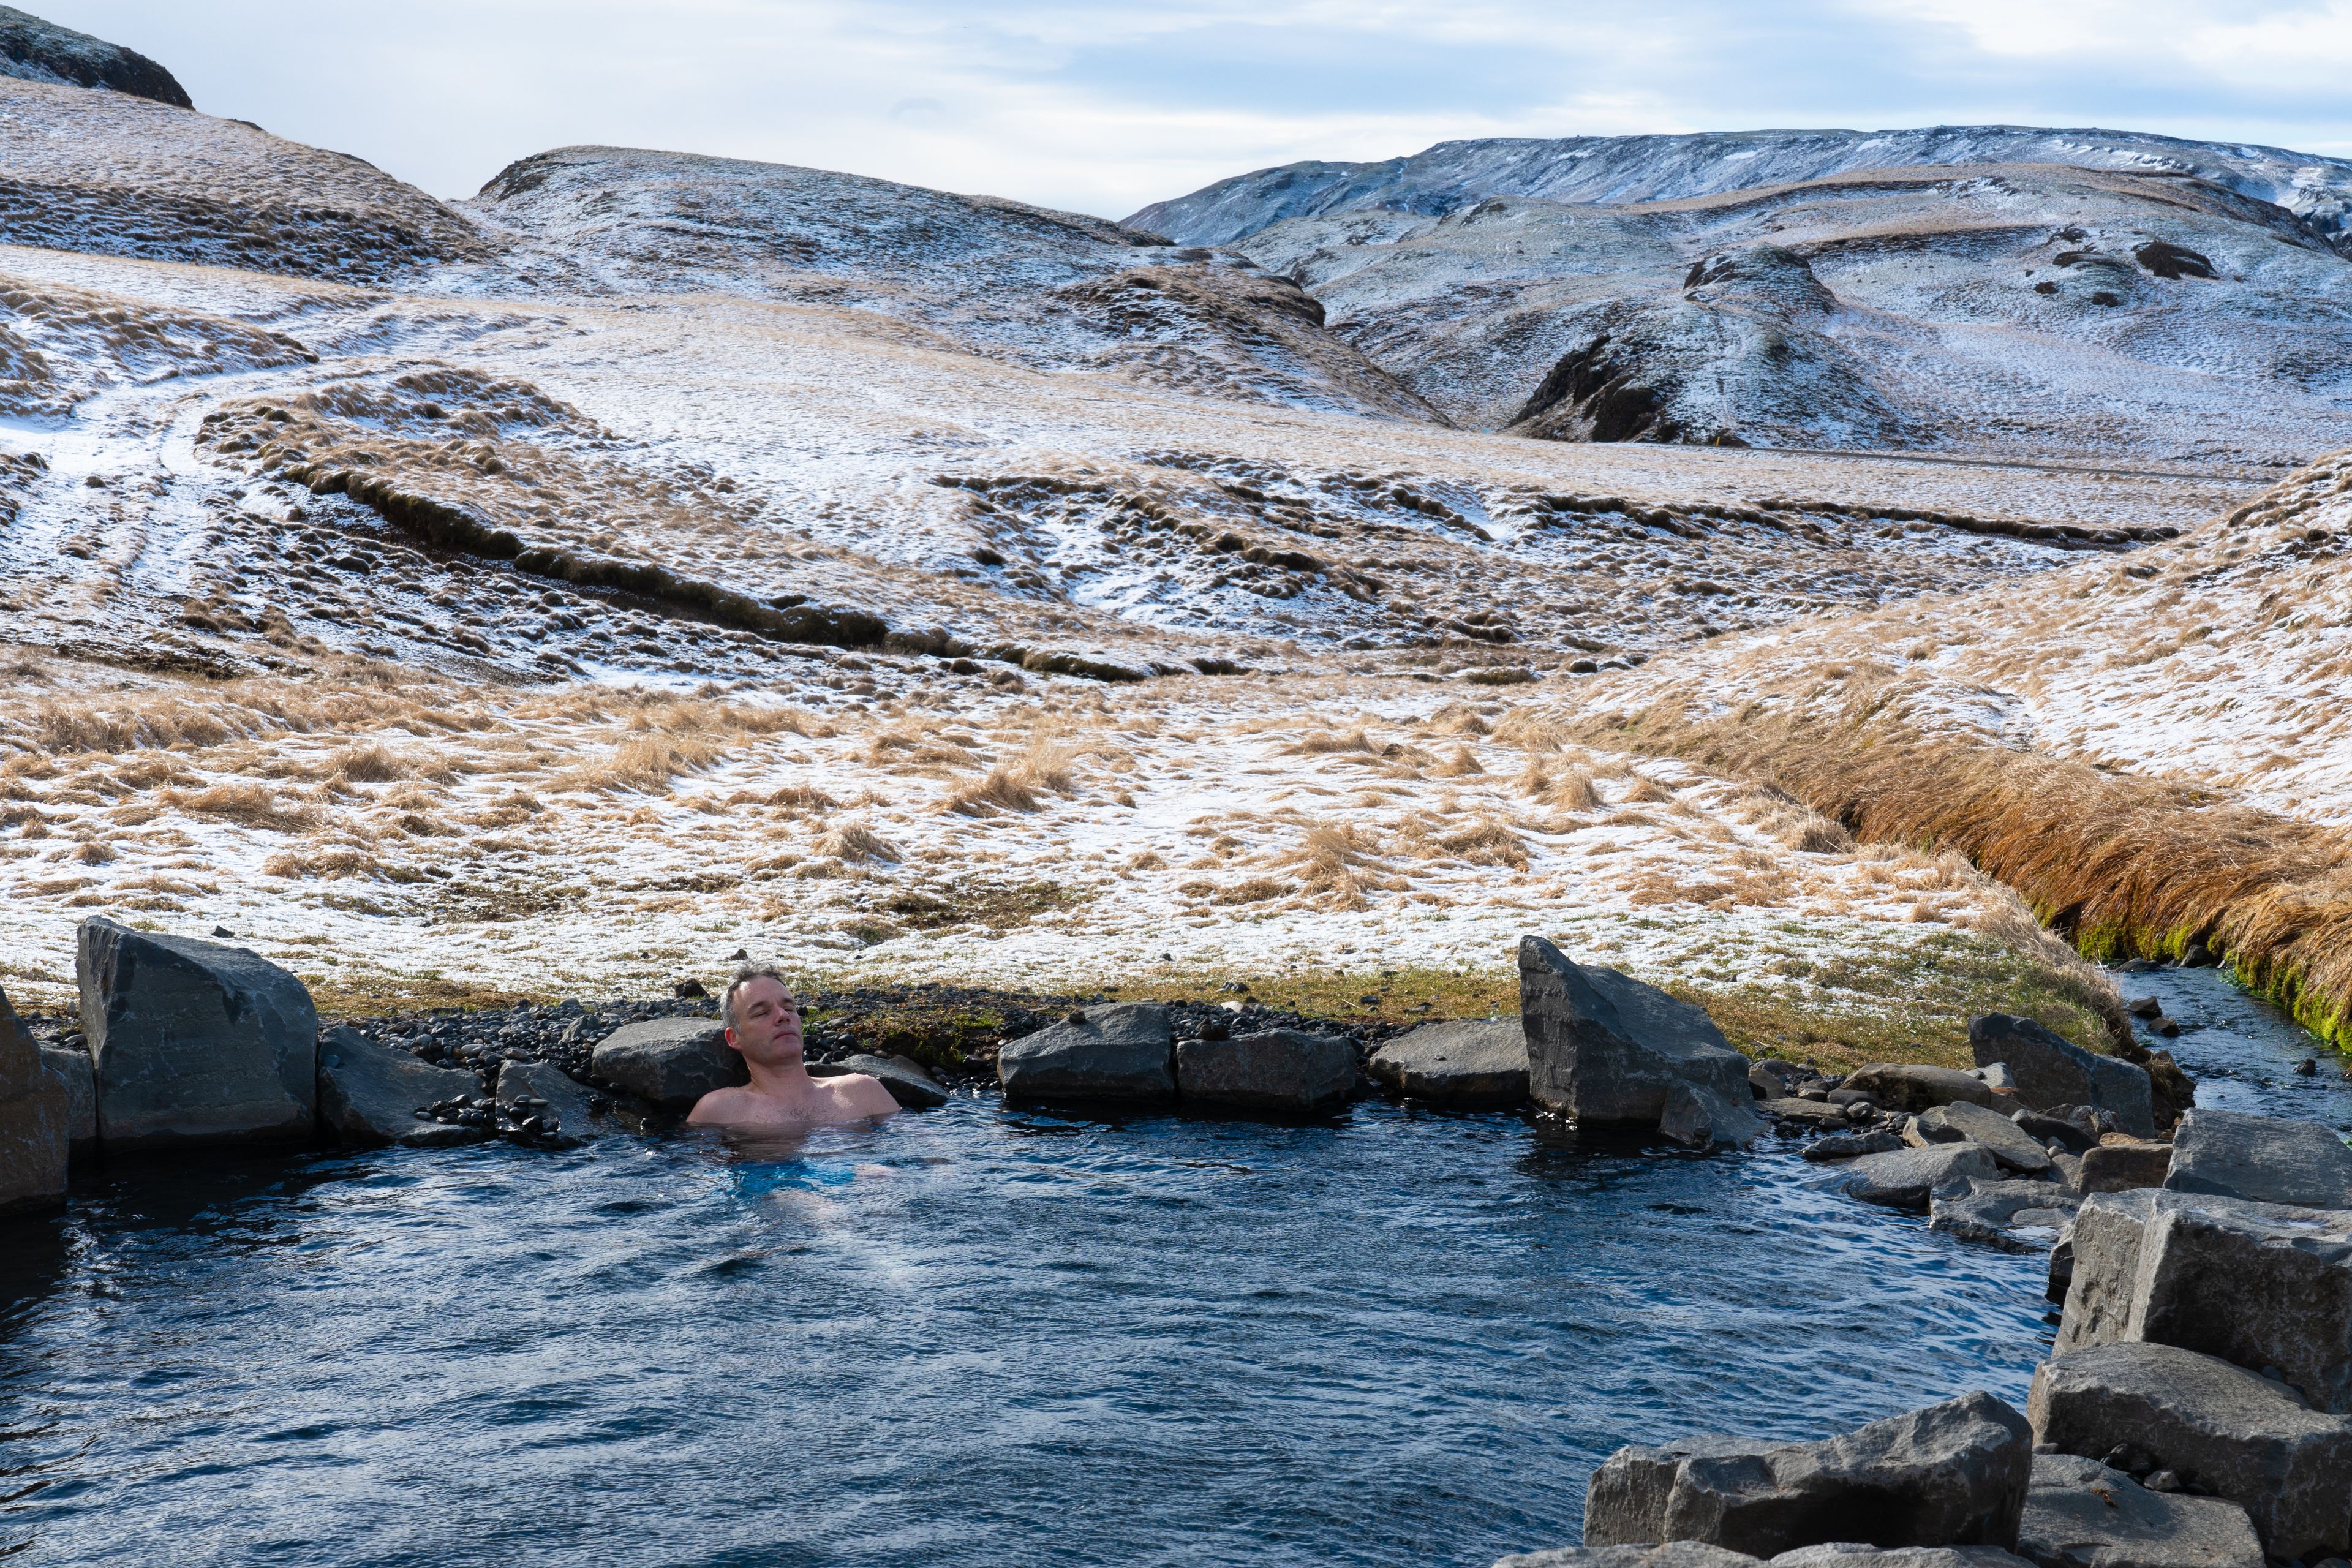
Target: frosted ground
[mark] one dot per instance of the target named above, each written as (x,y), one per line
(645,563)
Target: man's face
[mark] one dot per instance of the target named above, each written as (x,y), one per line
(767,1026)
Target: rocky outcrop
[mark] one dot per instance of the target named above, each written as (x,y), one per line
(34,50)
(1998,1136)
(1954,1474)
(560,1104)
(369,1095)
(1473,1063)
(668,1062)
(1114,1054)
(2218,1427)
(193,1042)
(2266,1159)
(1908,1178)
(34,1131)
(2051,1071)
(1280,1070)
(1604,1047)
(1912,1085)
(908,1084)
(2259,1285)
(2080,1514)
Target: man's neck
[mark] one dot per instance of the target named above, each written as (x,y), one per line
(790,1081)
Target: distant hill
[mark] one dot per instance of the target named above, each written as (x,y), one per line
(34,50)
(1454,174)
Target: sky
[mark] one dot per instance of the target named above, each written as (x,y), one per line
(1105,108)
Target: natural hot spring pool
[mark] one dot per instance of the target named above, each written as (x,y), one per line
(971,1337)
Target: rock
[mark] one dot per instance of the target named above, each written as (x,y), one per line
(1951,1474)
(2230,1432)
(195,1042)
(2267,1159)
(1852,1145)
(565,1112)
(2049,1129)
(36,50)
(1846,1554)
(1118,1054)
(1915,1088)
(2004,1140)
(1672,1554)
(1697,1555)
(1700,1118)
(2080,1514)
(908,1084)
(1279,1070)
(671,1062)
(1476,1062)
(1765,1083)
(369,1094)
(2143,1007)
(1805,1113)
(1602,1047)
(1907,1178)
(35,1125)
(2061,1277)
(2119,1165)
(2022,1217)
(2261,1285)
(1996,1077)
(71,1068)
(2051,1071)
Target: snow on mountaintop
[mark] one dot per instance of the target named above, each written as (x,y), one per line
(34,50)
(1624,169)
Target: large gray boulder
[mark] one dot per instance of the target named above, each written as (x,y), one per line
(2080,1514)
(1279,1070)
(35,1132)
(1951,1474)
(1700,1117)
(2049,1071)
(192,1042)
(561,1103)
(1833,1554)
(2261,1284)
(670,1062)
(1603,1048)
(908,1084)
(1909,1178)
(2019,1216)
(369,1094)
(78,1080)
(2268,1159)
(2219,1427)
(1672,1554)
(2118,1164)
(1123,1054)
(1915,1085)
(2004,1140)
(1472,1063)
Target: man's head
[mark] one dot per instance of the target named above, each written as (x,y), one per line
(762,1017)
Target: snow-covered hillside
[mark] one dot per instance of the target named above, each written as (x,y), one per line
(1621,169)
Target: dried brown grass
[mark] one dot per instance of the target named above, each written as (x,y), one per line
(246,805)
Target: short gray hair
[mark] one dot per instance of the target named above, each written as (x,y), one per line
(744,977)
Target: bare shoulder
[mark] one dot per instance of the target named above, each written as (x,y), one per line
(864,1093)
(720,1106)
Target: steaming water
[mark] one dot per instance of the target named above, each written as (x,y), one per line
(973,1336)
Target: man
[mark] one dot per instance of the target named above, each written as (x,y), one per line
(763,1022)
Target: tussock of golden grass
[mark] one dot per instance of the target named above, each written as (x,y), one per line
(1461,764)
(1004,789)
(1647,791)
(643,765)
(1326,741)
(247,805)
(371,763)
(336,863)
(1338,866)
(852,841)
(94,852)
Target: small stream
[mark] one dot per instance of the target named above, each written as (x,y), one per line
(975,1337)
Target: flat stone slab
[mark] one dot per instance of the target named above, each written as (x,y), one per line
(1806,1112)
(2080,1514)
(2268,1159)
(192,1042)
(2004,1140)
(2019,1216)
(1953,1474)
(1915,1087)
(670,1062)
(560,1101)
(1122,1054)
(1475,1063)
(1278,1070)
(908,1084)
(1908,1178)
(1604,1047)
(369,1094)
(2119,1165)
(2051,1070)
(2219,1427)
(2258,1285)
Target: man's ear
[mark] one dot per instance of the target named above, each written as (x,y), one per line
(730,1042)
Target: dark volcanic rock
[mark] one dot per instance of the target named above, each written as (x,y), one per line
(2050,1071)
(1603,1048)
(34,50)
(1702,1118)
(671,1062)
(1954,1474)
(2268,1159)
(33,1128)
(1280,1070)
(2003,1138)
(1123,1053)
(370,1094)
(70,1066)
(193,1042)
(908,1084)
(560,1104)
(1912,1085)
(1474,1062)
(2119,1165)
(2080,1514)
(1908,1178)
